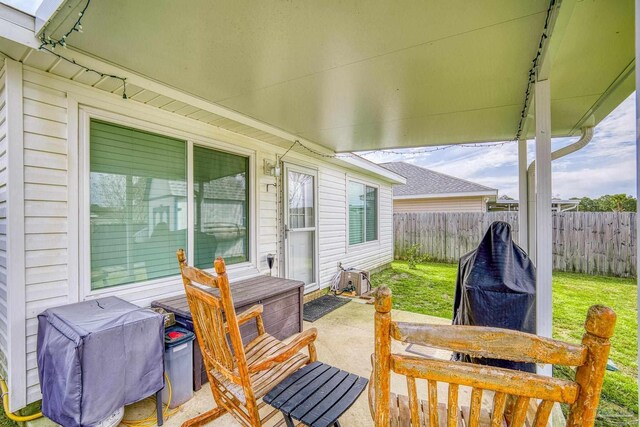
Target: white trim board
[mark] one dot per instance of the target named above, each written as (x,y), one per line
(16,280)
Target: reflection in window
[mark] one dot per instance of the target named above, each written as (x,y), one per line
(371,212)
(300,200)
(221,197)
(363,213)
(138,215)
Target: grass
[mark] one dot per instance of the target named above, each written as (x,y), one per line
(429,289)
(4,421)
(28,410)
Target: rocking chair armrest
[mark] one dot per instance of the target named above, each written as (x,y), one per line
(250,313)
(300,341)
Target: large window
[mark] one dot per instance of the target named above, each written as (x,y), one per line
(363,213)
(221,196)
(139,206)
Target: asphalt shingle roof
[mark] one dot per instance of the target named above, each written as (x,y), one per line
(421,181)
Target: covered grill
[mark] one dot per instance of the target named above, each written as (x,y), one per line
(496,287)
(97,356)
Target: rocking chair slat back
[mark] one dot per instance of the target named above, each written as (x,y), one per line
(209,312)
(239,376)
(516,393)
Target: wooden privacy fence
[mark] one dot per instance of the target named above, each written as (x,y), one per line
(601,243)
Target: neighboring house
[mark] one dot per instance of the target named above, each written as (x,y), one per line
(431,191)
(557,205)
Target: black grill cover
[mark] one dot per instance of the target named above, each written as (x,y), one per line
(496,287)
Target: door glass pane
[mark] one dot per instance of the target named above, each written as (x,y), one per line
(356,213)
(138,210)
(301,207)
(371,210)
(301,250)
(221,197)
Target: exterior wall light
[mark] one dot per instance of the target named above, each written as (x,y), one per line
(271,168)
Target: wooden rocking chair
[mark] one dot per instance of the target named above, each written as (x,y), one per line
(239,375)
(516,393)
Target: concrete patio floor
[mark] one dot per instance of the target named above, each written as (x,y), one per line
(345,340)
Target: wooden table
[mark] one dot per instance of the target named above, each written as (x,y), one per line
(316,395)
(282,300)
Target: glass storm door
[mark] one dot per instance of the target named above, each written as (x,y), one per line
(300,225)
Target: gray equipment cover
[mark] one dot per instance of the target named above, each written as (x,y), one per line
(97,356)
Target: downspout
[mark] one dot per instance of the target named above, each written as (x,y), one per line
(585,138)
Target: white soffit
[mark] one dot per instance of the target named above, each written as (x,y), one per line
(367,75)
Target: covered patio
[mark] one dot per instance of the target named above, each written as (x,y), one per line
(421,75)
(314,80)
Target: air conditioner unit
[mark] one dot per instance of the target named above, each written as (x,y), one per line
(356,280)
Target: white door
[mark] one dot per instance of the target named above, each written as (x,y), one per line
(300,218)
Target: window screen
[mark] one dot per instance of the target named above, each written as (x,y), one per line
(221,197)
(363,213)
(138,212)
(371,212)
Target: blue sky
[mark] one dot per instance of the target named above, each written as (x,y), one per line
(606,166)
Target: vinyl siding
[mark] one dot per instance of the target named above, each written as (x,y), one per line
(443,204)
(4,332)
(45,209)
(268,216)
(52,223)
(333,231)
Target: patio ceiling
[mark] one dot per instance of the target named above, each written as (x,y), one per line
(364,75)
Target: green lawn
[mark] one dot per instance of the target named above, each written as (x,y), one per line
(4,421)
(429,289)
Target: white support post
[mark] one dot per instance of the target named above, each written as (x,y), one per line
(543,218)
(637,166)
(531,213)
(16,279)
(523,205)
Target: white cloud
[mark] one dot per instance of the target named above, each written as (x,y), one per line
(605,166)
(593,182)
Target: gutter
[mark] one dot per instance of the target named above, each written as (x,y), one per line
(374,168)
(493,193)
(587,135)
(17,26)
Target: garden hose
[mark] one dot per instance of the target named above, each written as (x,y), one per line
(5,403)
(151,420)
(145,422)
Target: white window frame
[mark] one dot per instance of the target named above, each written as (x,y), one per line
(349,180)
(86,114)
